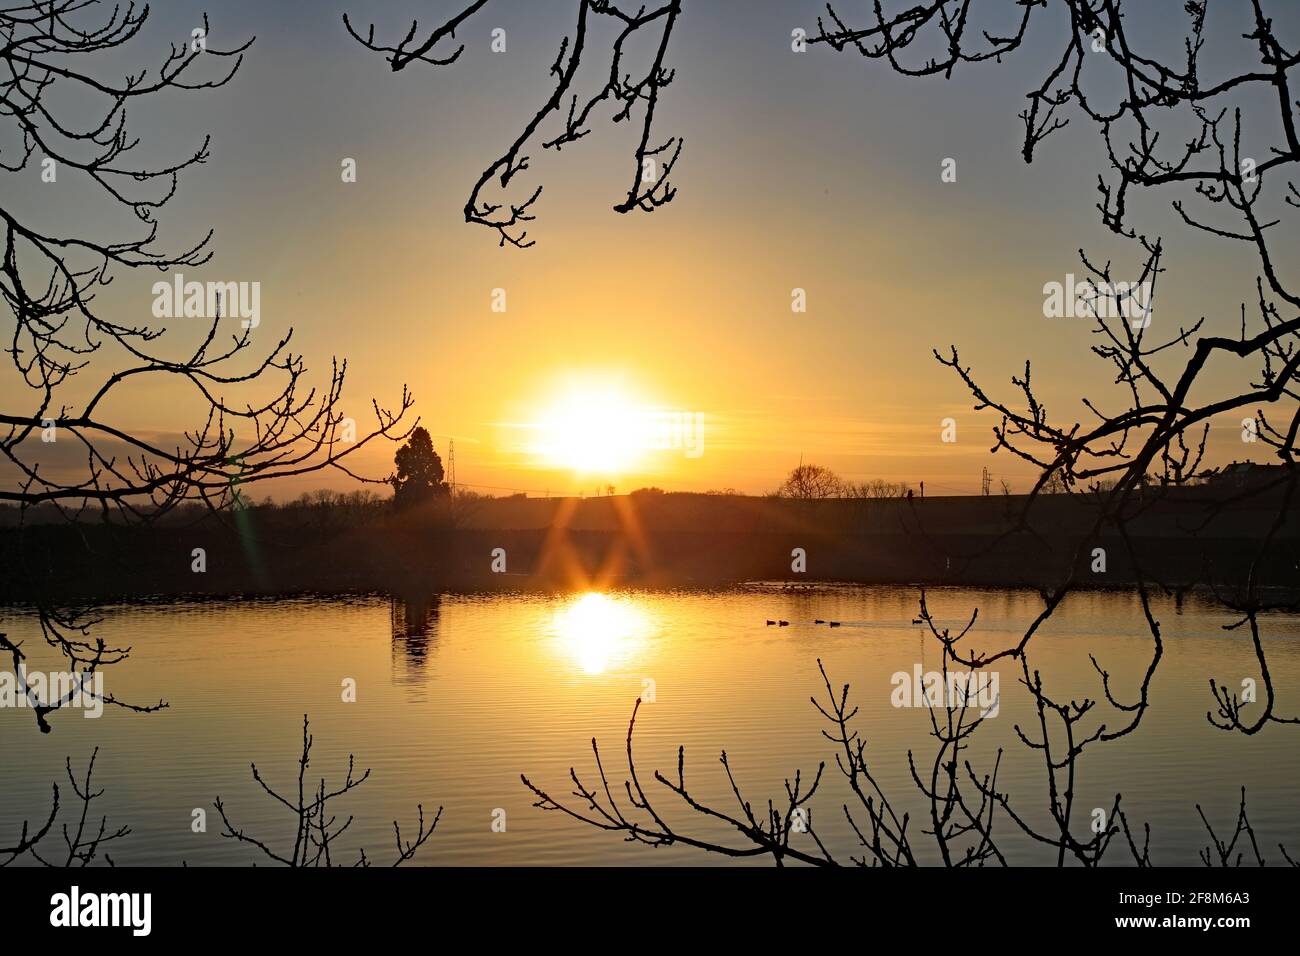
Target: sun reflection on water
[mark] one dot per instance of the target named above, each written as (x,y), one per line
(598,631)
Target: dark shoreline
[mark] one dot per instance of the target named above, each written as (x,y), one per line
(663,542)
(1196,594)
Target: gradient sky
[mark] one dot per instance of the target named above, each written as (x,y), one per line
(816,170)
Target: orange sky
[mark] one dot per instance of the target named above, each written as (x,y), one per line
(688,309)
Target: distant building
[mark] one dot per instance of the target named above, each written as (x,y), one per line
(1242,475)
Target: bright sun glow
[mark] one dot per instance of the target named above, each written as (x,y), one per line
(591,431)
(596,630)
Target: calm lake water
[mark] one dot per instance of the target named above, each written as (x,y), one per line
(455,700)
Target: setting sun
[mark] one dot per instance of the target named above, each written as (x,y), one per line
(591,431)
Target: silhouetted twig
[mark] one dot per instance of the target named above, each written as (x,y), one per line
(83,841)
(624,90)
(316,828)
